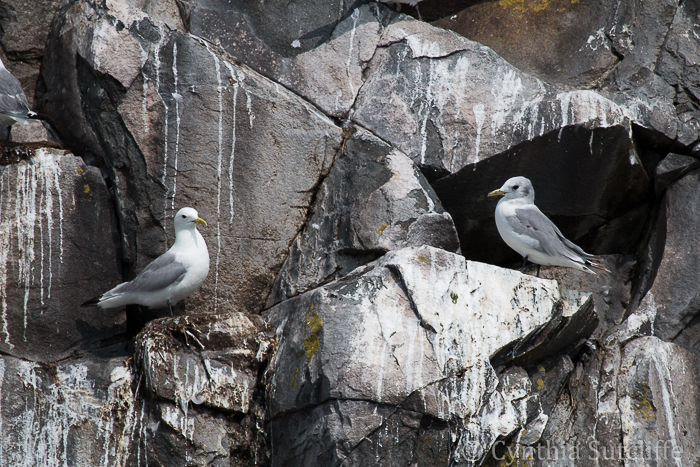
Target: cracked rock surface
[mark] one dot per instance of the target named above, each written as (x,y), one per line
(361,308)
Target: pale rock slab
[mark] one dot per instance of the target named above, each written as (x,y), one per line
(415,329)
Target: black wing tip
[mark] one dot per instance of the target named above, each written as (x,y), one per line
(91,302)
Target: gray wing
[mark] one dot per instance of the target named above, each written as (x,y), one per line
(13,102)
(530,221)
(161,273)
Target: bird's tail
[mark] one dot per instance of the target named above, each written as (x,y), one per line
(91,302)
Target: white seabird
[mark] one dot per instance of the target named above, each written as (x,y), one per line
(529,232)
(169,278)
(13,103)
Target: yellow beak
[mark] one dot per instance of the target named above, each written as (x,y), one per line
(495,194)
(200,221)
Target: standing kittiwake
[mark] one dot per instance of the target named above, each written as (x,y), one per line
(169,278)
(529,232)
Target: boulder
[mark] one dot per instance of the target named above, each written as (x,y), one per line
(209,360)
(56,251)
(173,122)
(563,43)
(373,200)
(413,330)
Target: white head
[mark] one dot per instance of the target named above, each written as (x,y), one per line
(516,187)
(187,218)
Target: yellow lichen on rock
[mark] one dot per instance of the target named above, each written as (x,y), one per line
(312,342)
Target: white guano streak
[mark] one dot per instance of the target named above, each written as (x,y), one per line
(42,175)
(5,241)
(233,141)
(177,128)
(426,105)
(479,119)
(354,16)
(217,66)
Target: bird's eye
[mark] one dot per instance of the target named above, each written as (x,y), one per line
(183,216)
(516,187)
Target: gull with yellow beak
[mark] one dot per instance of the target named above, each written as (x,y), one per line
(169,278)
(529,232)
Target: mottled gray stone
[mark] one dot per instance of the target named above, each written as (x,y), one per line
(373,200)
(209,360)
(658,400)
(25,26)
(676,281)
(415,329)
(79,412)
(611,291)
(32,131)
(56,251)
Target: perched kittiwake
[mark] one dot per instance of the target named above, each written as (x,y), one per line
(529,232)
(172,276)
(13,103)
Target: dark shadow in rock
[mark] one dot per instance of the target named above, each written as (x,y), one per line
(579,189)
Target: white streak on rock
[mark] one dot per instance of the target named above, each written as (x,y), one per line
(219,88)
(5,241)
(177,128)
(233,140)
(355,14)
(505,94)
(479,119)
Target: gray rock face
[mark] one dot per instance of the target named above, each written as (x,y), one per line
(642,54)
(207,359)
(25,27)
(659,411)
(203,372)
(175,123)
(341,153)
(373,200)
(673,166)
(79,412)
(56,251)
(676,283)
(414,330)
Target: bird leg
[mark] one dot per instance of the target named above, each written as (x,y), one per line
(171,308)
(538,270)
(522,268)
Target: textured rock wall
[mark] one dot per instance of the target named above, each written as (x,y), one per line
(361,308)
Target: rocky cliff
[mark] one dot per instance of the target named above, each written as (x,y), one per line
(361,308)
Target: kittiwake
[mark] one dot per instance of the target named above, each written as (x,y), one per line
(13,103)
(169,278)
(529,232)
